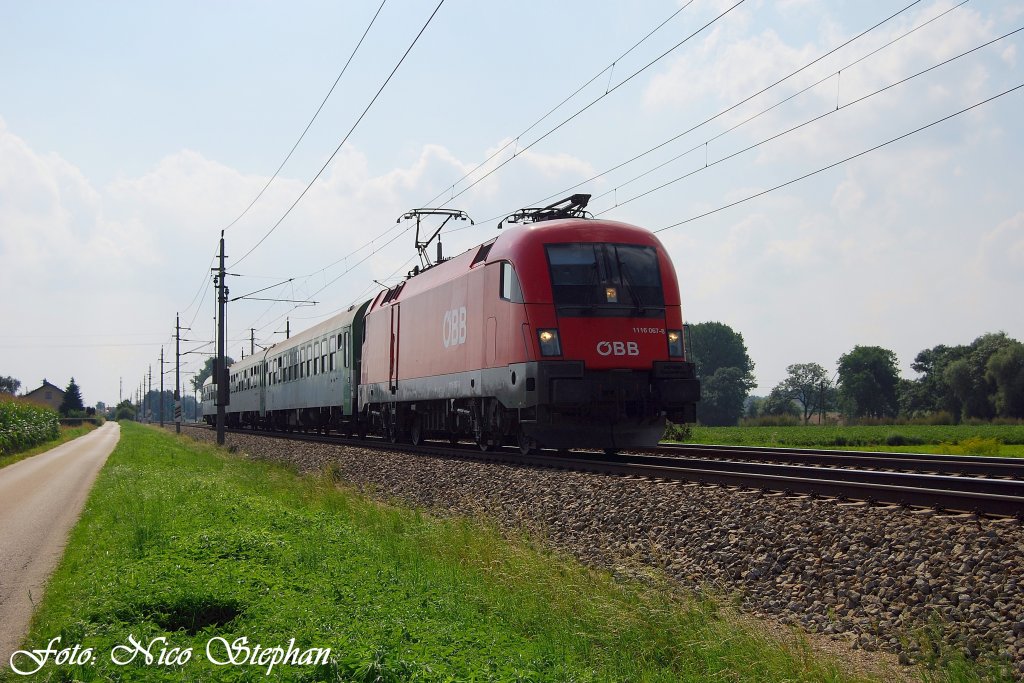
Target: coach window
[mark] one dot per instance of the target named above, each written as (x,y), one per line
(323,356)
(309,357)
(345,355)
(510,289)
(334,347)
(316,358)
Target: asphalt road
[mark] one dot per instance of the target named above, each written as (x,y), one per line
(41,498)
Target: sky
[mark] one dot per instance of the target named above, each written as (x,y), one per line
(810,197)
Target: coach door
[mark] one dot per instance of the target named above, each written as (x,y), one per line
(263,386)
(396,324)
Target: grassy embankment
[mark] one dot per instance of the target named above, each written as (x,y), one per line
(180,540)
(983,439)
(27,429)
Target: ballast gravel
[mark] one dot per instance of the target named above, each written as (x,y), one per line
(878,578)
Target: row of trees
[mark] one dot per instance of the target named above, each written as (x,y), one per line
(982,380)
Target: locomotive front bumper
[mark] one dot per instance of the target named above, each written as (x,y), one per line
(609,408)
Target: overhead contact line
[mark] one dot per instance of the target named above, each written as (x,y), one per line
(787,131)
(841,161)
(345,139)
(315,115)
(749,98)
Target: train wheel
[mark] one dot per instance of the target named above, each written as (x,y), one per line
(416,430)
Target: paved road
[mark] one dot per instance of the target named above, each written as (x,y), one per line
(41,498)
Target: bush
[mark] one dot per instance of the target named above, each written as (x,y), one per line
(24,425)
(674,432)
(897,439)
(979,446)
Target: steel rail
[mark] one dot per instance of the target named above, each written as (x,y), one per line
(917,462)
(979,495)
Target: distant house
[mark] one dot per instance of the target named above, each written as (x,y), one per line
(47,395)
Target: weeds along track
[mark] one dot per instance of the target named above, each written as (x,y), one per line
(983,486)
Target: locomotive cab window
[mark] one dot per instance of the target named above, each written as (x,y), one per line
(510,289)
(612,280)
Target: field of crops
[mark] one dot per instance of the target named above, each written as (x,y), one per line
(829,436)
(23,425)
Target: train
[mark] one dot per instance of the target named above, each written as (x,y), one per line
(562,332)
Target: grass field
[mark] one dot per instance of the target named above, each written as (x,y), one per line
(183,542)
(1004,440)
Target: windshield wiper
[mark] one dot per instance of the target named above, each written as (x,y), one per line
(626,280)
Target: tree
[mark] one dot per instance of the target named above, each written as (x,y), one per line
(9,385)
(72,400)
(1005,369)
(867,382)
(725,371)
(780,402)
(197,381)
(722,397)
(969,379)
(124,411)
(806,384)
(931,392)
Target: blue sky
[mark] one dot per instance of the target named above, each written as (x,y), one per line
(132,133)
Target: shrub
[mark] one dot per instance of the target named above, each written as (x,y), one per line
(898,439)
(979,446)
(24,425)
(674,432)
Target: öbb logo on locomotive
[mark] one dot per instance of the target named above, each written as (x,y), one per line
(454,327)
(618,348)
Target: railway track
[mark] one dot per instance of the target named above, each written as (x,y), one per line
(984,486)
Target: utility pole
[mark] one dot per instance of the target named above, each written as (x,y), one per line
(177,373)
(150,389)
(161,404)
(221,375)
(252,341)
(287,328)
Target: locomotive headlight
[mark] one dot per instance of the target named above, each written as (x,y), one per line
(675,343)
(611,294)
(549,345)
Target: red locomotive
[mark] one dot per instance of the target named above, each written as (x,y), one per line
(562,332)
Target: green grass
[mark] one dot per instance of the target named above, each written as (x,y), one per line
(180,540)
(986,439)
(66,434)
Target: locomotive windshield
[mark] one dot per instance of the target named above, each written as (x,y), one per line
(593,278)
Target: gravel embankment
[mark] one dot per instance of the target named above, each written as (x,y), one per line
(874,577)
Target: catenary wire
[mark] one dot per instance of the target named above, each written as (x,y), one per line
(841,161)
(560,104)
(592,103)
(805,123)
(718,115)
(315,115)
(345,139)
